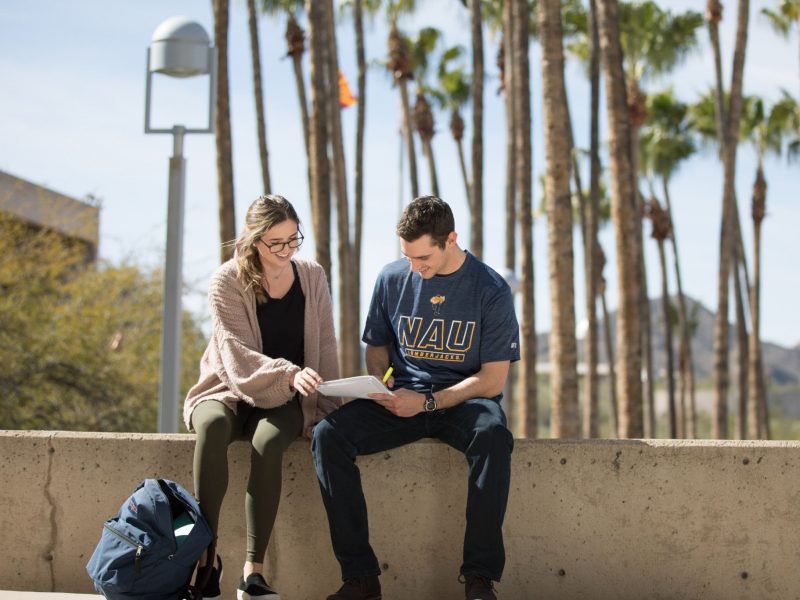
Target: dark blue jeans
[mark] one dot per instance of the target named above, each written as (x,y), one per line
(476,427)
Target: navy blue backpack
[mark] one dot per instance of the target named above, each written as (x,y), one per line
(139,556)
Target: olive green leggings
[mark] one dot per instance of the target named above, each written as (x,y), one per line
(269,431)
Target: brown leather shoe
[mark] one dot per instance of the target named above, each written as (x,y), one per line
(478,588)
(359,588)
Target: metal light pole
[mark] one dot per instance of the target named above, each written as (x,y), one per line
(180,48)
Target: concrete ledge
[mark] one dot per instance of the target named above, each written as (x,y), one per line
(46,596)
(599,519)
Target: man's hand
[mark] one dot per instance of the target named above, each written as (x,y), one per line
(403,403)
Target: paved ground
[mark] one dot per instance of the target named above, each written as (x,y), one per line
(45,596)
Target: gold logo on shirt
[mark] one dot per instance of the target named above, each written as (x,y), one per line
(436,304)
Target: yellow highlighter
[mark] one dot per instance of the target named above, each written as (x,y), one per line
(388,374)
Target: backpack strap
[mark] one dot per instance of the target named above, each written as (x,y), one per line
(195,591)
(211,557)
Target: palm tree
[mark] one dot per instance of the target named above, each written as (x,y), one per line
(654,41)
(476,189)
(222,129)
(623,203)
(400,65)
(704,116)
(526,414)
(506,49)
(661,231)
(349,341)
(359,163)
(580,38)
(784,17)
(421,49)
(499,16)
(665,141)
(296,47)
(587,49)
(728,120)
(601,215)
(453,93)
(612,378)
(787,111)
(765,131)
(252,21)
(319,165)
(565,420)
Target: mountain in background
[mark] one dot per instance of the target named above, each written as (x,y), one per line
(782,365)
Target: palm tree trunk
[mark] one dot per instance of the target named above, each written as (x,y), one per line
(527,413)
(462,163)
(591,423)
(644,303)
(261,126)
(673,422)
(762,424)
(408,133)
(476,189)
(349,349)
(591,404)
(222,129)
(508,99)
(689,415)
(625,223)
(730,128)
(510,190)
(359,166)
(719,424)
(742,352)
(426,129)
(635,98)
(295,40)
(565,418)
(318,135)
(427,149)
(612,377)
(457,122)
(754,400)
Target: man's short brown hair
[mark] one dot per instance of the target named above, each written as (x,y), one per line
(427,215)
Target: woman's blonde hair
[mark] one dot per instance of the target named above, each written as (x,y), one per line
(264,213)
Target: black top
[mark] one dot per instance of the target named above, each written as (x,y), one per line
(281,321)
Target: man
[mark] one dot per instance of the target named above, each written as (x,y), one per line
(447,328)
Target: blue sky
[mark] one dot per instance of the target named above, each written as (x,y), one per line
(73,111)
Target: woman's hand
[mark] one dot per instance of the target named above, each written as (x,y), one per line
(306,381)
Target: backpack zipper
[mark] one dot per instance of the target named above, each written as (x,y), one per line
(139,547)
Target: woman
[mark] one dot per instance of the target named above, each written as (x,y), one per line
(272,343)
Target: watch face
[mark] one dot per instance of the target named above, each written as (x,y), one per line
(430,403)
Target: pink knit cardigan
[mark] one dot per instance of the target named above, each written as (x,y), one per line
(234,370)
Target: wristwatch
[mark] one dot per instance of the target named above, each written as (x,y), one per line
(430,402)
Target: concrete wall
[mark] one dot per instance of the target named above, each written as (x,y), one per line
(599,519)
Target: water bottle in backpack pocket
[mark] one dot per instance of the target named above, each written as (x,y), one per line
(150,548)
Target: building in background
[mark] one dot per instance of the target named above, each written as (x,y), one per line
(77,221)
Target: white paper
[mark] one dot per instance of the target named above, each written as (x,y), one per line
(353,387)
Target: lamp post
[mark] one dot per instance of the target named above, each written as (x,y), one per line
(180,48)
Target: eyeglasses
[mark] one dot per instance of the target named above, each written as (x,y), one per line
(276,247)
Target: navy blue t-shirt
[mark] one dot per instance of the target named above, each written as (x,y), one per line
(441,330)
